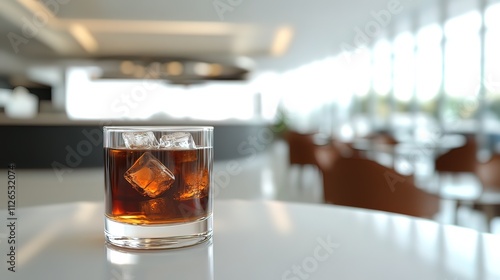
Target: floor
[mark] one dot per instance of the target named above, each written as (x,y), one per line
(265,176)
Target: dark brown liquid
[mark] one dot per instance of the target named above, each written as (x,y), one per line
(143,199)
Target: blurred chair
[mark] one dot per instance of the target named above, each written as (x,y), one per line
(366,184)
(489,201)
(378,146)
(462,159)
(327,155)
(301,150)
(458,160)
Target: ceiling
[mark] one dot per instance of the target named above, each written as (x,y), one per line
(272,35)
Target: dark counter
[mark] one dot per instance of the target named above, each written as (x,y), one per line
(74,146)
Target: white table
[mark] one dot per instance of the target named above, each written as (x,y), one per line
(255,240)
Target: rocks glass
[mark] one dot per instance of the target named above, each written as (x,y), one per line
(158,186)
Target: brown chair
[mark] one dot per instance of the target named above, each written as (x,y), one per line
(327,155)
(301,148)
(366,184)
(489,201)
(462,159)
(301,151)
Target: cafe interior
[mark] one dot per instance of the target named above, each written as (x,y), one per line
(392,105)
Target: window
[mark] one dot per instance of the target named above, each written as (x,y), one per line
(404,70)
(145,99)
(382,77)
(462,65)
(428,67)
(492,62)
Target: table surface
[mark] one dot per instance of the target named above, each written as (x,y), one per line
(253,240)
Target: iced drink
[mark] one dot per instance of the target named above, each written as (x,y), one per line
(158,186)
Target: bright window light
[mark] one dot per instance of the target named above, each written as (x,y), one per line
(462,55)
(428,62)
(267,89)
(492,16)
(145,99)
(382,69)
(341,69)
(360,71)
(404,66)
(492,65)
(467,23)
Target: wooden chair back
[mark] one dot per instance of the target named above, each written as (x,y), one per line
(462,159)
(301,148)
(489,173)
(363,183)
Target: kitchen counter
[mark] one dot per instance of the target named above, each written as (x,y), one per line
(55,141)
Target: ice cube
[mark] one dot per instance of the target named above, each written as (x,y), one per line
(195,185)
(157,208)
(140,140)
(149,176)
(177,140)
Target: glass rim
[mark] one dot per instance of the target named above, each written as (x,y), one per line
(127,128)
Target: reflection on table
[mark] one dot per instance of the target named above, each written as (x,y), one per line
(189,263)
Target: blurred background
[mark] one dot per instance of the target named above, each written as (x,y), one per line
(343,69)
(423,73)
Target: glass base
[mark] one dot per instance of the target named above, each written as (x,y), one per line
(158,236)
